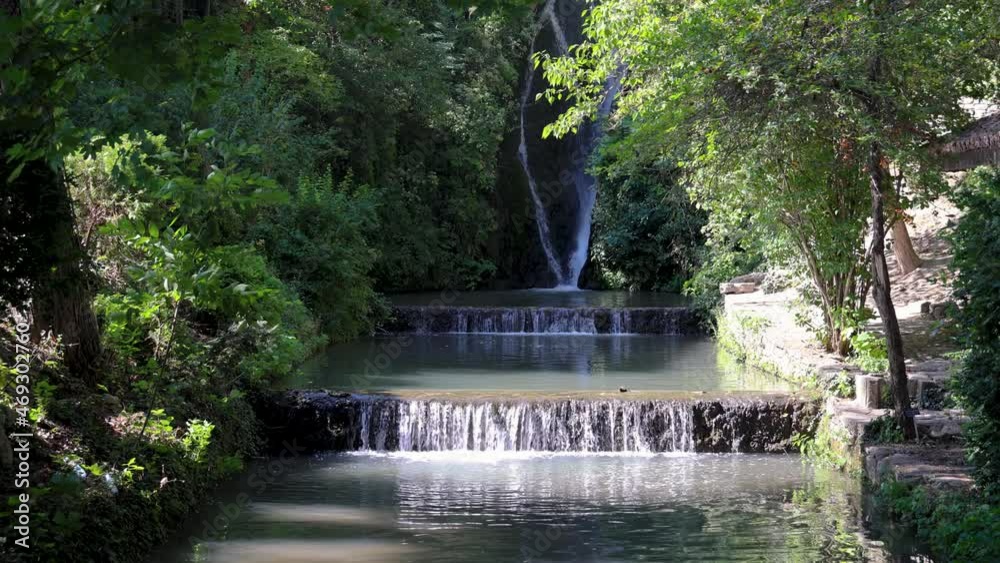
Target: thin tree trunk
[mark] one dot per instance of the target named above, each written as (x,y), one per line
(881,291)
(902,247)
(883,298)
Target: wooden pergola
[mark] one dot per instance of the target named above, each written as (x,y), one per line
(977,145)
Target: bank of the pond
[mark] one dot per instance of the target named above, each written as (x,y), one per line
(111,509)
(926,485)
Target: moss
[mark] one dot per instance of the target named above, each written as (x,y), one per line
(742,336)
(830,445)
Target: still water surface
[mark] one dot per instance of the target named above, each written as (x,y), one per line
(463,362)
(492,507)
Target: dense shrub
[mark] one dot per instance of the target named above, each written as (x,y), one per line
(317,244)
(977,289)
(647,233)
(960,528)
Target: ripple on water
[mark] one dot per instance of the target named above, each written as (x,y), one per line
(521,506)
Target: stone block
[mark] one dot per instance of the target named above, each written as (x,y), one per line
(868,390)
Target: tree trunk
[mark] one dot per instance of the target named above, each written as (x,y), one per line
(61,296)
(878,178)
(883,298)
(902,247)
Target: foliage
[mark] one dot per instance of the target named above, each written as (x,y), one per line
(317,243)
(883,430)
(775,109)
(869,352)
(842,386)
(647,233)
(414,106)
(960,528)
(730,250)
(828,445)
(977,258)
(197,438)
(241,184)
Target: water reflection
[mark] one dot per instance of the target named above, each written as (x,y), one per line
(530,362)
(442,506)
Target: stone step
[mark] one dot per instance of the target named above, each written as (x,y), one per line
(940,424)
(940,468)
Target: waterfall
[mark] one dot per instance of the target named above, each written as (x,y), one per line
(543,320)
(586,186)
(321,421)
(541,215)
(549,426)
(567,274)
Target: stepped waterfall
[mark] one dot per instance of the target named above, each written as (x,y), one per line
(551,426)
(543,320)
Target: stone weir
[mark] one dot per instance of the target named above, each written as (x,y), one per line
(543,320)
(319,420)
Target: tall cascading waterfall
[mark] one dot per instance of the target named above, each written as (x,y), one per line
(547,426)
(566,261)
(541,215)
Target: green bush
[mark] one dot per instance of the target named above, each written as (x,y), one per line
(883,430)
(647,233)
(317,242)
(959,528)
(977,290)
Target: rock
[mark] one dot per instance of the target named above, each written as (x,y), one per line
(111,404)
(622,390)
(940,425)
(752,425)
(936,311)
(755,277)
(732,288)
(939,311)
(941,469)
(925,391)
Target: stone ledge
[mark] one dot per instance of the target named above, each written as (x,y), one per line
(942,469)
(734,288)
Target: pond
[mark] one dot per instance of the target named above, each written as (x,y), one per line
(510,506)
(525,362)
(470,450)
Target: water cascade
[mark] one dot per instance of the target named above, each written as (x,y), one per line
(320,420)
(552,426)
(566,270)
(543,320)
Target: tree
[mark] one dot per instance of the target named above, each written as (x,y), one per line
(56,47)
(902,246)
(711,80)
